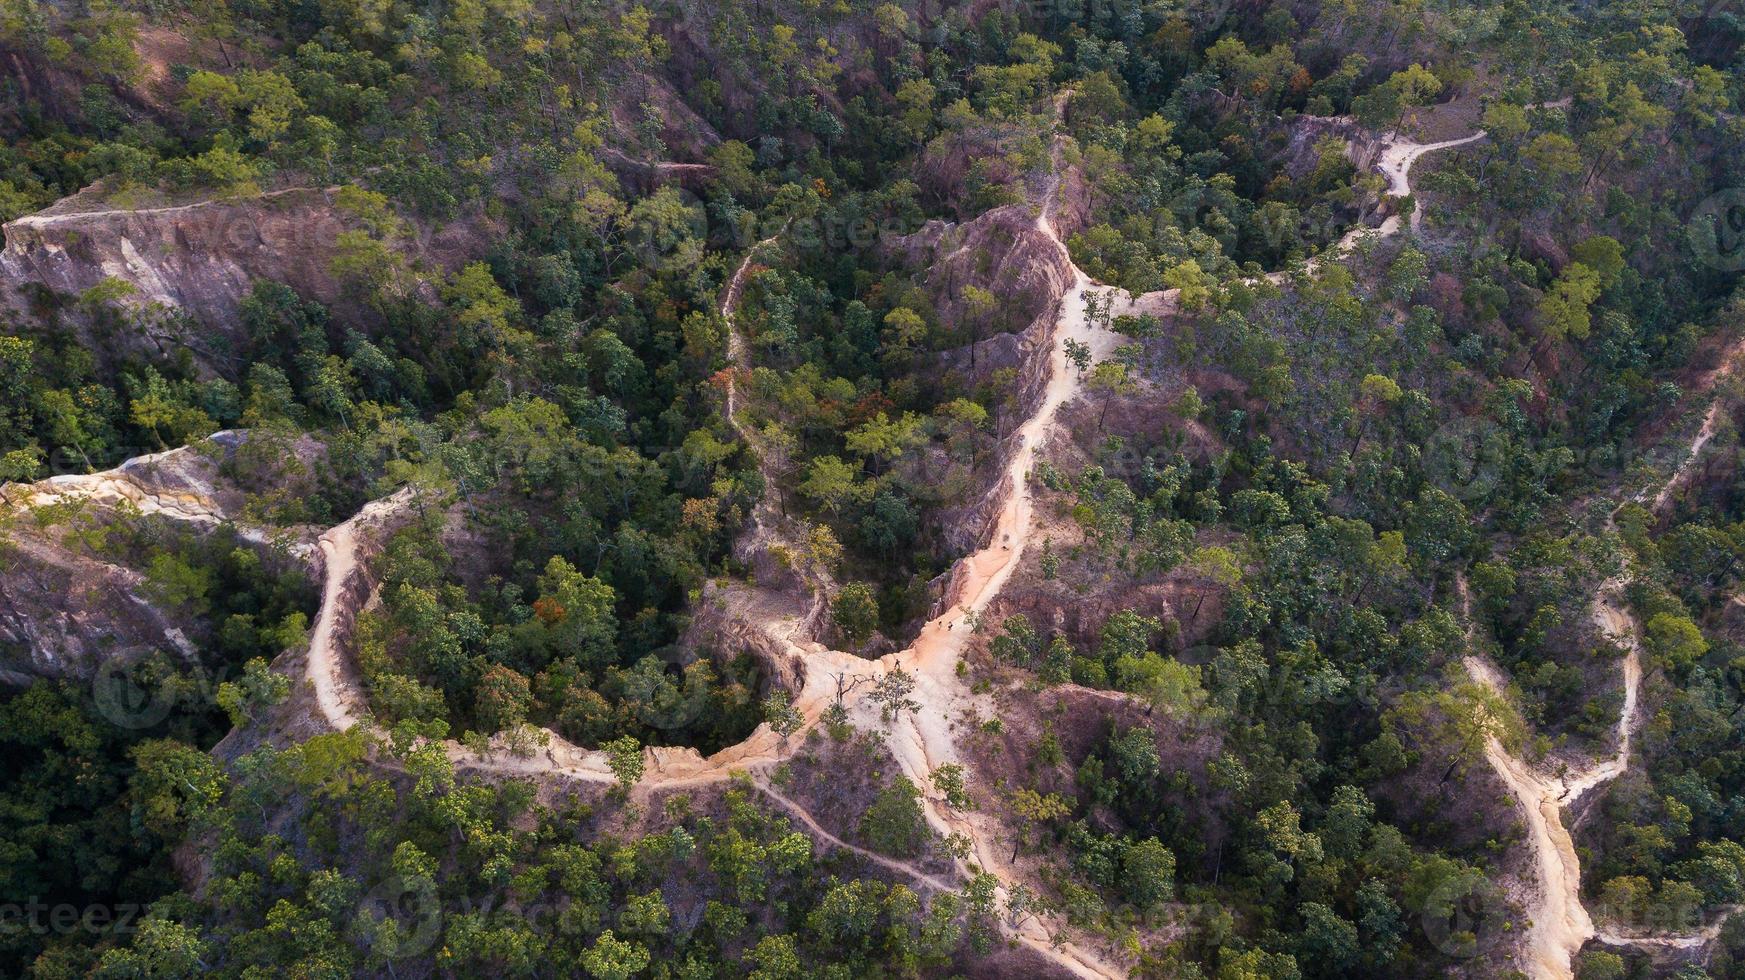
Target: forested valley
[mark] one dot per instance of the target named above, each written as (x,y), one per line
(1153,488)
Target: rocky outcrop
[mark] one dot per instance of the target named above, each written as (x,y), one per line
(722,629)
(1004,252)
(1300,155)
(1001,251)
(993,153)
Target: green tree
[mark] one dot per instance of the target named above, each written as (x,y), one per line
(259,687)
(1034,810)
(1111,378)
(915,99)
(855,611)
(1564,307)
(1674,641)
(1599,964)
(979,306)
(1018,642)
(611,958)
(577,613)
(1375,393)
(624,757)
(1078,355)
(882,439)
(174,787)
(834,484)
(784,719)
(775,958)
(962,419)
(1127,634)
(894,823)
(502,698)
(891,693)
(1147,873)
(949,781)
(1413,86)
(162,949)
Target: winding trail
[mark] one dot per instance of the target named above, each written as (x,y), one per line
(1712,418)
(921,740)
(1561,924)
(803,815)
(1394,162)
(768,525)
(337,693)
(924,740)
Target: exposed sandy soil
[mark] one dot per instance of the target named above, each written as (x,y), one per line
(64,607)
(1561,924)
(921,740)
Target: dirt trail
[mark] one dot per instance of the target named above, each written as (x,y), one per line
(768,526)
(1561,924)
(1396,165)
(44,219)
(1395,162)
(336,694)
(1712,419)
(801,814)
(922,740)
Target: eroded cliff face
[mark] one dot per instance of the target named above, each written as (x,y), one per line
(65,614)
(1301,151)
(1004,251)
(200,258)
(1001,251)
(66,607)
